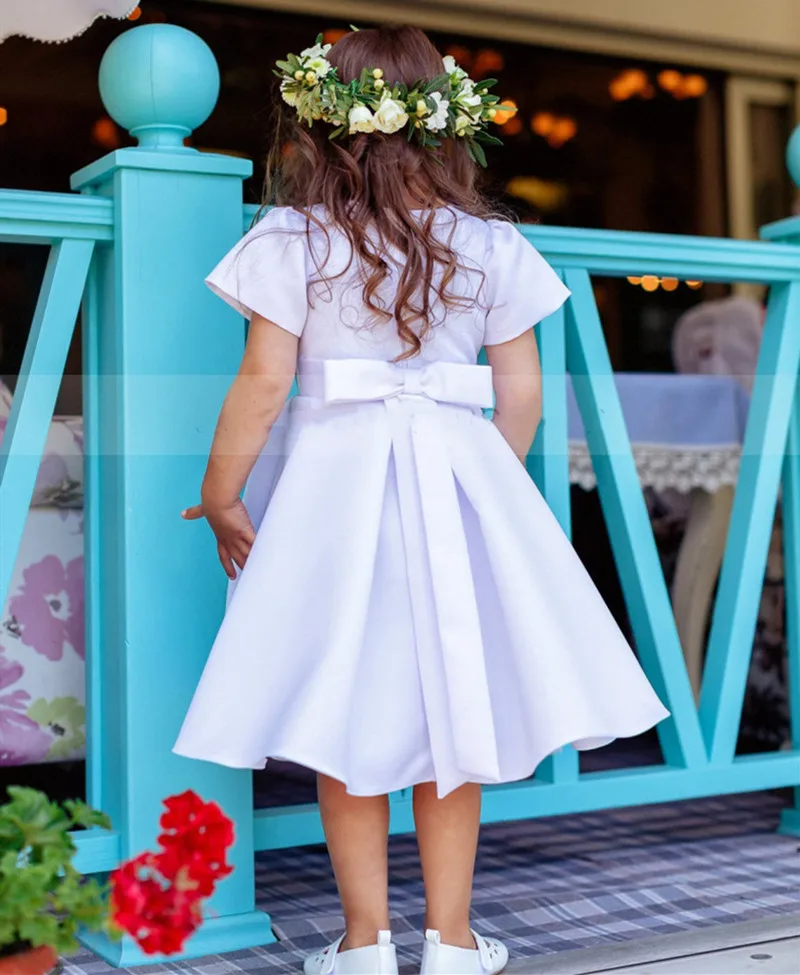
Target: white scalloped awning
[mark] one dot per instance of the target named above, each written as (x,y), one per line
(56,20)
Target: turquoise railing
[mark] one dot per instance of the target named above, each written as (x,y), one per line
(159,350)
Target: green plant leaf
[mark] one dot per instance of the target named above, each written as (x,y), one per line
(43,898)
(40,929)
(83,815)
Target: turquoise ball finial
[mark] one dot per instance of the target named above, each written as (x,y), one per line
(160,82)
(793,156)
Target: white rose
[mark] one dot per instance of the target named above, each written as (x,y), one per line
(290,97)
(319,66)
(452,68)
(317,51)
(361,119)
(466,95)
(438,119)
(391,116)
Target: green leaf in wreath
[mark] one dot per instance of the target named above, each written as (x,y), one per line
(438,83)
(487,138)
(478,154)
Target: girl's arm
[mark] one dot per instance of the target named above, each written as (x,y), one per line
(251,407)
(517,377)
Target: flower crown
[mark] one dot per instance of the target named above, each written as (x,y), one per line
(451,105)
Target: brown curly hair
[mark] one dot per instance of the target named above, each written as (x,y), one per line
(381,191)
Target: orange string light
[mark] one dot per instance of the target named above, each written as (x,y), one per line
(487,62)
(3,115)
(105,133)
(564,130)
(504,111)
(555,129)
(670,79)
(135,14)
(694,86)
(513,126)
(542,123)
(627,84)
(460,54)
(332,35)
(651,282)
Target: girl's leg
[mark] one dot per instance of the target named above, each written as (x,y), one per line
(357,833)
(447,833)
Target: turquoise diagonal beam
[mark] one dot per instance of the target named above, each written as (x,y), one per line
(790,818)
(629,526)
(36,391)
(741,578)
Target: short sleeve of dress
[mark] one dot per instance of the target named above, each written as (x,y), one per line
(266,272)
(522,287)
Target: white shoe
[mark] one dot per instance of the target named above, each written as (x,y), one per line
(488,958)
(379,959)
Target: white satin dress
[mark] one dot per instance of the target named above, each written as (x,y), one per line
(411,611)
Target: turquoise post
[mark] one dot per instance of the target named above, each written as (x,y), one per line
(788,232)
(161,351)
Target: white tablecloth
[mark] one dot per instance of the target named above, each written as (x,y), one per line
(686,431)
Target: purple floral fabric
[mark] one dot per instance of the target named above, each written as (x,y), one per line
(60,479)
(47,612)
(42,678)
(22,740)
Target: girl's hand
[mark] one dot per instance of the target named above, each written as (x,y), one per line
(233,528)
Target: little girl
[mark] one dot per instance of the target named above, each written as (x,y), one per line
(408,612)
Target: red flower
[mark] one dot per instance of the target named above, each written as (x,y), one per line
(195,825)
(156,897)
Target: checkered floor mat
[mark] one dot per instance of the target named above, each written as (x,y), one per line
(548,885)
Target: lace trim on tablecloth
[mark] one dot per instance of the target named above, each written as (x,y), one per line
(681,468)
